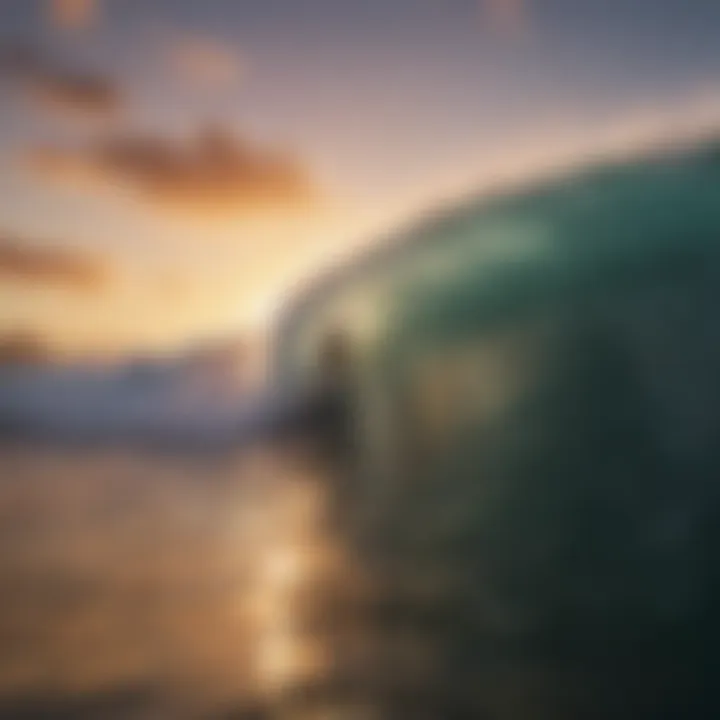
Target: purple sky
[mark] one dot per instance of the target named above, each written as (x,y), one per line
(352,113)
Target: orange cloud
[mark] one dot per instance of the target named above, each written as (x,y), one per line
(211,172)
(73,14)
(26,263)
(59,89)
(206,62)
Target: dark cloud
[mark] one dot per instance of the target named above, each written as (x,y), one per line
(78,94)
(59,88)
(21,348)
(22,262)
(213,171)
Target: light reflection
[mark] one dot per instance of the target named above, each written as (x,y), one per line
(203,577)
(291,569)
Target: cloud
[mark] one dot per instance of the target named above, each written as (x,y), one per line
(78,95)
(206,62)
(506,17)
(73,14)
(211,172)
(59,89)
(26,263)
(21,348)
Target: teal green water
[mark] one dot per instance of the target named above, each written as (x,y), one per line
(537,406)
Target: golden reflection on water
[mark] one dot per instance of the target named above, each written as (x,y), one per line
(291,565)
(191,581)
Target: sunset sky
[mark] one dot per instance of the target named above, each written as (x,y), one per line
(168,168)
